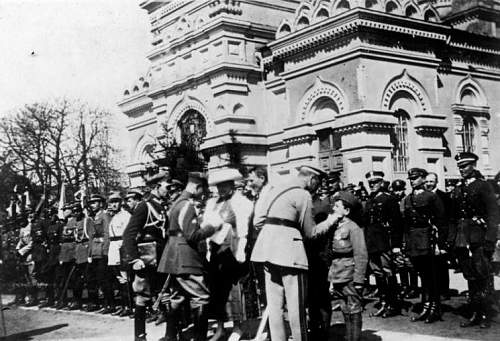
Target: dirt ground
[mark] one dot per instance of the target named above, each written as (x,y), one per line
(49,324)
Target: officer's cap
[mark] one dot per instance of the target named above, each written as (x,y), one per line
(348,197)
(333,177)
(374,176)
(416,173)
(465,158)
(134,193)
(218,176)
(96,197)
(115,196)
(398,185)
(175,185)
(306,169)
(158,177)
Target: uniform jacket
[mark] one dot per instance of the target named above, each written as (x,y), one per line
(283,245)
(350,254)
(143,226)
(117,225)
(475,214)
(97,229)
(54,231)
(82,240)
(382,222)
(67,252)
(39,237)
(181,254)
(422,210)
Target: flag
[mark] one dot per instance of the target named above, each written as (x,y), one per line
(62,201)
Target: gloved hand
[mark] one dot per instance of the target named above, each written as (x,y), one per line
(89,260)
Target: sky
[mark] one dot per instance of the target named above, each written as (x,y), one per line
(84,49)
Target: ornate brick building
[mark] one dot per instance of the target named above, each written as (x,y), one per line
(348,85)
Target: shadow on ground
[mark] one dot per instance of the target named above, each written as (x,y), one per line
(28,335)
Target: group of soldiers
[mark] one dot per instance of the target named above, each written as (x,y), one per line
(310,244)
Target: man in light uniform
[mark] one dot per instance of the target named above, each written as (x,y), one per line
(286,219)
(119,220)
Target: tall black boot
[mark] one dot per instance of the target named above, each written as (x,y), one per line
(140,323)
(200,323)
(356,326)
(171,326)
(434,313)
(423,315)
(348,327)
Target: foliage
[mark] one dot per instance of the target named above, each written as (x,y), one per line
(61,140)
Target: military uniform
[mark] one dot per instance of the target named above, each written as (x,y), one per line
(98,233)
(186,264)
(81,260)
(53,239)
(473,236)
(24,248)
(348,268)
(287,220)
(145,227)
(383,232)
(423,217)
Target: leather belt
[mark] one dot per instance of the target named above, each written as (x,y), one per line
(114,239)
(82,241)
(283,222)
(337,255)
(175,234)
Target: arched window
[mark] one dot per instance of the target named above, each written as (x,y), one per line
(322,14)
(430,16)
(411,11)
(468,128)
(343,6)
(193,129)
(399,139)
(370,3)
(391,7)
(324,109)
(303,22)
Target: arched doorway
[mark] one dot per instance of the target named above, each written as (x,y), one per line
(192,130)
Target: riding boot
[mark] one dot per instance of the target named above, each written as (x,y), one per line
(356,326)
(348,327)
(381,311)
(434,313)
(171,327)
(423,315)
(140,322)
(200,324)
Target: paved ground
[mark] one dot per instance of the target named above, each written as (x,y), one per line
(48,324)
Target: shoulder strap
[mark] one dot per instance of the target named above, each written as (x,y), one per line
(152,212)
(279,195)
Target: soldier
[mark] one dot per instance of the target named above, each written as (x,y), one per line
(431,182)
(474,235)
(133,199)
(183,261)
(24,249)
(53,239)
(98,232)
(348,267)
(286,219)
(227,249)
(118,223)
(423,213)
(383,231)
(79,280)
(39,250)
(66,258)
(142,241)
(319,262)
(407,275)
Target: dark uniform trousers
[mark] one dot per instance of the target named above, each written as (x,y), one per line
(98,278)
(63,272)
(473,236)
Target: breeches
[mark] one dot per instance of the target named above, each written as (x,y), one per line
(348,297)
(381,264)
(193,288)
(98,275)
(284,284)
(476,269)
